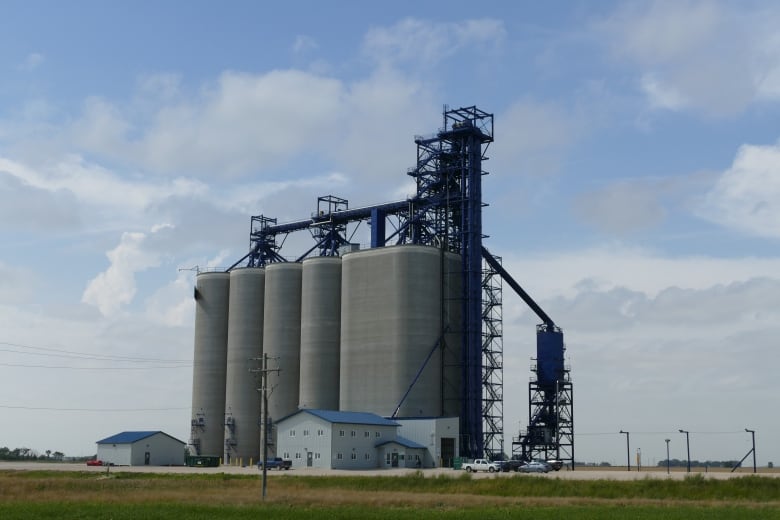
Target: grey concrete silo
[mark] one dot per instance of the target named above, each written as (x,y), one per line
(244,349)
(391,318)
(320,333)
(282,338)
(208,374)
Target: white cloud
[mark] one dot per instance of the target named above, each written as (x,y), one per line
(304,44)
(662,96)
(534,138)
(626,206)
(116,286)
(32,61)
(705,56)
(746,197)
(426,43)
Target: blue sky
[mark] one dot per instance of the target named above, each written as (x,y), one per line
(633,191)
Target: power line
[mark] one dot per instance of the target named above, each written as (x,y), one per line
(22,365)
(52,409)
(88,355)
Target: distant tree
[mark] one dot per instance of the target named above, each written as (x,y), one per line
(58,455)
(48,453)
(770,465)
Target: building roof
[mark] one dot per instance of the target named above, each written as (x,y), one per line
(333,416)
(403,441)
(131,437)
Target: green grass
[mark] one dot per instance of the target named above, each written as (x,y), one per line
(124,495)
(68,511)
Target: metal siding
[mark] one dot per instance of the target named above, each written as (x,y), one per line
(117,454)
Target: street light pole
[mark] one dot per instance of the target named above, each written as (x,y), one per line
(753,437)
(667,455)
(628,449)
(688,446)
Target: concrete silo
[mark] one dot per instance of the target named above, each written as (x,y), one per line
(282,339)
(244,348)
(208,376)
(320,333)
(391,321)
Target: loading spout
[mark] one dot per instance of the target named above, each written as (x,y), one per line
(490,259)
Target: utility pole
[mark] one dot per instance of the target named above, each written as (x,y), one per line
(264,428)
(753,436)
(628,449)
(667,456)
(688,445)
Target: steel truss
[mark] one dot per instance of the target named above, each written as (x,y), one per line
(446,212)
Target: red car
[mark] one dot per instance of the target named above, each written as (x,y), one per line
(94,462)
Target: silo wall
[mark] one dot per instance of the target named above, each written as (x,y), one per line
(282,340)
(244,349)
(320,333)
(209,366)
(391,319)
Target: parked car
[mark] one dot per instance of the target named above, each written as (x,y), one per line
(556,465)
(94,462)
(481,465)
(510,465)
(535,467)
(276,463)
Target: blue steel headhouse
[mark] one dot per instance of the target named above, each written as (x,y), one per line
(446,212)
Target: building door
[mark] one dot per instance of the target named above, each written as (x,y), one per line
(394,460)
(147,458)
(447,451)
(309,459)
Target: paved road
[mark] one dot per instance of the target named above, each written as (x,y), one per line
(581,474)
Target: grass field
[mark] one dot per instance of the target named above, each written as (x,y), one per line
(120,495)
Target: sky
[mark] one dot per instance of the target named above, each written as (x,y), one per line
(633,191)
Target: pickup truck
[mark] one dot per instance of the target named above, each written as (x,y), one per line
(481,465)
(276,463)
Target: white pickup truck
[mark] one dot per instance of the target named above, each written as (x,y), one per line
(481,465)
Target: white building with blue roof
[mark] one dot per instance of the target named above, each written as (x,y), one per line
(347,440)
(139,448)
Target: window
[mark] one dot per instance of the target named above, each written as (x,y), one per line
(401,456)
(297,455)
(377,434)
(366,433)
(339,456)
(316,455)
(286,455)
(305,433)
(388,458)
(341,433)
(354,433)
(354,456)
(320,433)
(292,433)
(367,456)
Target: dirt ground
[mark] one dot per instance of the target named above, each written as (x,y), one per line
(579,474)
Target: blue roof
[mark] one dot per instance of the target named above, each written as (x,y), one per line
(403,441)
(333,416)
(131,437)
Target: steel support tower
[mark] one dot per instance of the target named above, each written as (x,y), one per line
(445,212)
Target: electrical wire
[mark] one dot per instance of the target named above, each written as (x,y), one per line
(52,409)
(85,355)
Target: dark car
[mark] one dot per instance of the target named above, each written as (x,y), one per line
(510,465)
